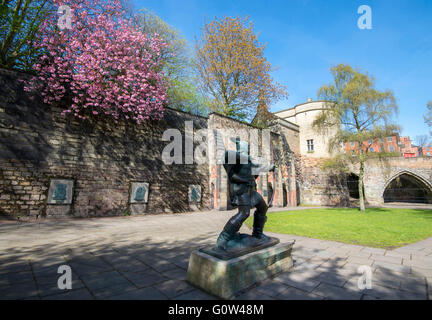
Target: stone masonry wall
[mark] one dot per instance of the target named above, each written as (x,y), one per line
(318,186)
(38,144)
(282,181)
(291,138)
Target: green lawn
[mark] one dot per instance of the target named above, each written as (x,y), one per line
(380,228)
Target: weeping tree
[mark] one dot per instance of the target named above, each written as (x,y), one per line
(360,113)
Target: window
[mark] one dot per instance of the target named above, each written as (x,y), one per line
(352,143)
(370,141)
(390,139)
(310,145)
(391,149)
(371,149)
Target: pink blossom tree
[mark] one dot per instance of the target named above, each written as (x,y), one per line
(102,65)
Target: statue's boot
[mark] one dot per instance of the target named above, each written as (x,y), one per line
(232,227)
(258,227)
(229,232)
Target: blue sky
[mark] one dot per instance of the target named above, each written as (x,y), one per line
(305,37)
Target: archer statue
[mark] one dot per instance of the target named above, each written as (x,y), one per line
(241,172)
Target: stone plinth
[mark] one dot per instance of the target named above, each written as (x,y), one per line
(138,208)
(226,278)
(58,211)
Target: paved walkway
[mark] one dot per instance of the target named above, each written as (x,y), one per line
(146,257)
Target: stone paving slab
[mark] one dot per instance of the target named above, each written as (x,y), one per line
(331,292)
(140,294)
(146,257)
(254,294)
(19,291)
(359,260)
(198,295)
(392,266)
(426,272)
(413,284)
(48,286)
(295,294)
(272,288)
(388,259)
(304,281)
(80,294)
(385,292)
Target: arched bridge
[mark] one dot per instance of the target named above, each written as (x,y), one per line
(398,180)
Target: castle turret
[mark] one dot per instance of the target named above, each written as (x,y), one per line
(312,144)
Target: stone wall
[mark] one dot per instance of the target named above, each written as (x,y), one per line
(37,144)
(290,133)
(218,177)
(103,159)
(281,182)
(318,186)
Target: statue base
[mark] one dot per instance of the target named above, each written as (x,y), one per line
(227,278)
(241,244)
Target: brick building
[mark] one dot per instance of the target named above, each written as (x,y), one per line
(426,151)
(407,149)
(388,144)
(392,144)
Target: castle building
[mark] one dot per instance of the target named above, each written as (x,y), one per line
(312,144)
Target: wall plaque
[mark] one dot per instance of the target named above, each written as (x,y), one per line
(139,192)
(60,191)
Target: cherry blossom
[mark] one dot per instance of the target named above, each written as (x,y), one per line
(102,65)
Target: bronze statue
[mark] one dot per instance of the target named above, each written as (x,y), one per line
(244,196)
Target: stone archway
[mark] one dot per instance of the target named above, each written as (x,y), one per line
(409,187)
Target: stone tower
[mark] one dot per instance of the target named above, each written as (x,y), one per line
(312,144)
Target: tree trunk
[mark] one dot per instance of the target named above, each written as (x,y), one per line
(360,187)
